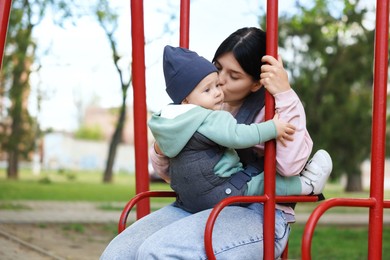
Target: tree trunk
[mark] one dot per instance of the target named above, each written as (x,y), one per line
(107,177)
(12,170)
(116,139)
(354,182)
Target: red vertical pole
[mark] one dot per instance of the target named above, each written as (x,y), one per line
(185,23)
(378,137)
(139,93)
(5,8)
(270,148)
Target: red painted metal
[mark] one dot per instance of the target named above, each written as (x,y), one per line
(376,201)
(270,159)
(185,23)
(208,237)
(242,199)
(140,196)
(378,137)
(317,213)
(270,146)
(5,9)
(139,90)
(140,114)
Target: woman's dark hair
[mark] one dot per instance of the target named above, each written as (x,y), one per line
(248,47)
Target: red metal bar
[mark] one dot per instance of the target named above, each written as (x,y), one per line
(378,137)
(317,213)
(5,8)
(140,196)
(140,115)
(270,161)
(242,199)
(184,23)
(270,147)
(208,237)
(138,74)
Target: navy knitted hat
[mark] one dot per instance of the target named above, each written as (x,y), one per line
(183,70)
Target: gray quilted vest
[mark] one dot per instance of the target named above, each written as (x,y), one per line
(196,185)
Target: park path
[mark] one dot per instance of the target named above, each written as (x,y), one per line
(95,212)
(62,212)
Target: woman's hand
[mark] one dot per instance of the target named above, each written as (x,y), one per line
(157,149)
(160,162)
(284,130)
(273,75)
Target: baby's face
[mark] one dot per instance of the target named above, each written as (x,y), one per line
(207,93)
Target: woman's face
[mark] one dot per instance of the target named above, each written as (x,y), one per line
(234,81)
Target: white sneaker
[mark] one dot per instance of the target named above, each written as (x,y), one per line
(317,171)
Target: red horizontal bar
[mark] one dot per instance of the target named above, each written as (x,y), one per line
(302,198)
(140,196)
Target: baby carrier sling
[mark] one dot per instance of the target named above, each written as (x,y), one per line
(196,185)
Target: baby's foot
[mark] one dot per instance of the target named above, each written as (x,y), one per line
(317,171)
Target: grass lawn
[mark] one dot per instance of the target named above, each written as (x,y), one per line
(336,242)
(88,186)
(70,186)
(329,242)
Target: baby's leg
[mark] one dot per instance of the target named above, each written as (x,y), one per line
(284,185)
(311,181)
(316,173)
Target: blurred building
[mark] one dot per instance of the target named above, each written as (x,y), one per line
(62,151)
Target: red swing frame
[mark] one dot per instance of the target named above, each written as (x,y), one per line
(375,202)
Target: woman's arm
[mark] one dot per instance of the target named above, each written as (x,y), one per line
(290,159)
(159,162)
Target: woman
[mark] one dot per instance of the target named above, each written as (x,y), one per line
(172,233)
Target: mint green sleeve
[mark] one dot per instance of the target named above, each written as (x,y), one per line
(222,128)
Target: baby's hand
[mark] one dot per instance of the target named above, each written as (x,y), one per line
(284,130)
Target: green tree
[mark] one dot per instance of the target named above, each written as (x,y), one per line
(17,138)
(331,70)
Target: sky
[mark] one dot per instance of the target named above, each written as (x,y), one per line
(76,63)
